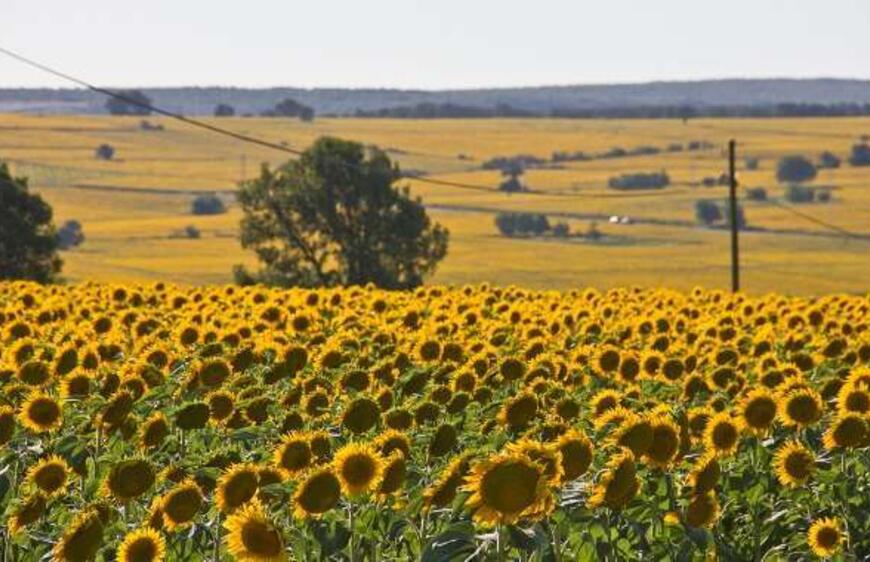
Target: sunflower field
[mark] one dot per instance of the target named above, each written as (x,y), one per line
(151,422)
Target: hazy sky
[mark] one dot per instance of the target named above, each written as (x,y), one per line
(432,43)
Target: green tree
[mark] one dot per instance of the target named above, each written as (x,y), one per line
(336,217)
(119,106)
(28,240)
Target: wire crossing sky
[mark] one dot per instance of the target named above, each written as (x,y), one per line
(429,45)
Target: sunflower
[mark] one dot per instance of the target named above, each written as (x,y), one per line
(546,456)
(847,431)
(395,470)
(634,433)
(142,545)
(607,359)
(825,538)
(34,373)
(82,540)
(442,492)
(127,480)
(801,408)
(722,434)
(445,439)
(605,400)
(665,441)
(7,424)
(41,413)
(758,410)
(703,510)
(360,415)
(576,450)
(75,385)
(359,467)
(318,491)
(503,488)
(154,431)
(853,398)
(705,474)
(117,409)
(794,464)
(49,475)
(618,483)
(180,504)
(294,453)
(28,510)
(392,440)
(519,411)
(236,486)
(252,537)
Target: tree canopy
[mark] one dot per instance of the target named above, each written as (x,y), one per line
(28,240)
(336,217)
(118,106)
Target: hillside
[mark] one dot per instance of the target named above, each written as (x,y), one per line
(543,100)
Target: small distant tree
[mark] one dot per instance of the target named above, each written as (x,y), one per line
(104,152)
(512,183)
(192,231)
(28,239)
(224,110)
(751,163)
(335,216)
(561,230)
(800,194)
(828,160)
(756,194)
(118,106)
(860,155)
(506,223)
(707,212)
(291,108)
(70,235)
(522,224)
(795,169)
(208,204)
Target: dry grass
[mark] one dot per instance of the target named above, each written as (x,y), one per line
(128,233)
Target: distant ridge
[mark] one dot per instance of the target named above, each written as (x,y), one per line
(534,100)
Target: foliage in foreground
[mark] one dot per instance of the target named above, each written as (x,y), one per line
(150,422)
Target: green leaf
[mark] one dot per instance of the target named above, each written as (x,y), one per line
(450,546)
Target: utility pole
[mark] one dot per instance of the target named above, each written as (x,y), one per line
(732,197)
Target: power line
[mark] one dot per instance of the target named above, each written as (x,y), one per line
(282,147)
(816,221)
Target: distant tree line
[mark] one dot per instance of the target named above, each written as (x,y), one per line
(429,110)
(654,180)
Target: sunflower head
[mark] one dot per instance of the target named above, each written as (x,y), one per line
(319,491)
(722,434)
(825,537)
(794,464)
(758,411)
(41,413)
(251,536)
(49,476)
(618,483)
(577,451)
(180,505)
(142,545)
(503,488)
(294,453)
(847,431)
(236,486)
(801,407)
(82,540)
(702,510)
(127,480)
(359,467)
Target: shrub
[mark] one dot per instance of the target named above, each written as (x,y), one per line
(224,110)
(751,163)
(146,125)
(191,231)
(707,212)
(512,185)
(521,224)
(795,169)
(561,230)
(70,235)
(655,180)
(860,155)
(104,152)
(823,196)
(756,194)
(799,194)
(828,160)
(209,204)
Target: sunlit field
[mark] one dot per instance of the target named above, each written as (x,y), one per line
(131,207)
(149,422)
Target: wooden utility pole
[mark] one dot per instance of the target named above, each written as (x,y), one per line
(732,197)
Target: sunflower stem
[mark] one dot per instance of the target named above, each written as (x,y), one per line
(351,545)
(217,538)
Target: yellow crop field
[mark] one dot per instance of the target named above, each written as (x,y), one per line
(131,206)
(155,422)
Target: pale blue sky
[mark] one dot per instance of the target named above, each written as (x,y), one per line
(433,43)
